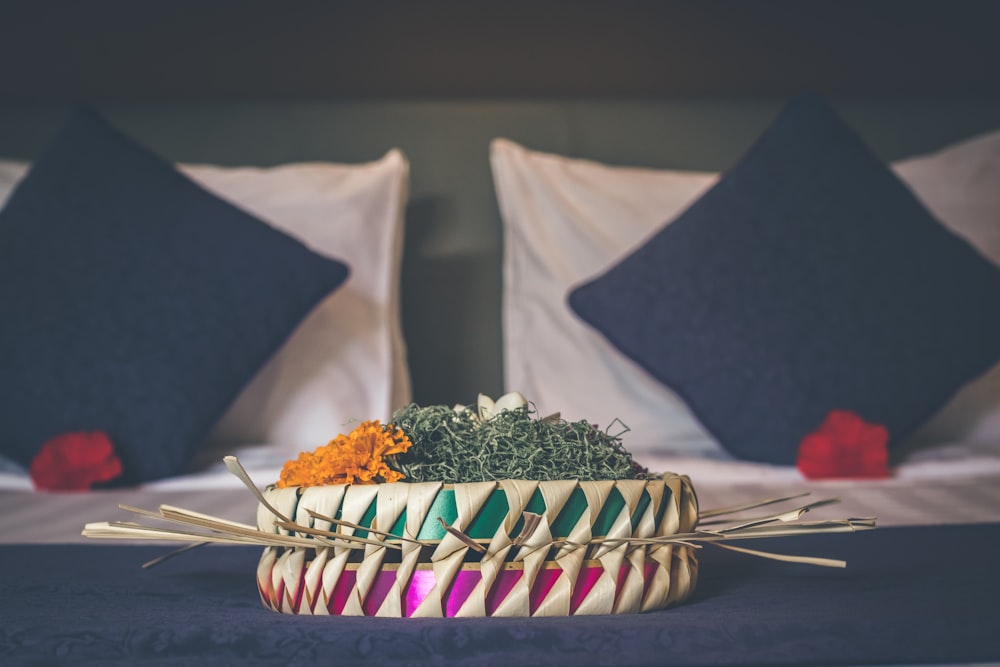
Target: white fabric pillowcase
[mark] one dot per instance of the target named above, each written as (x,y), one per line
(346,362)
(567,220)
(564,221)
(961,186)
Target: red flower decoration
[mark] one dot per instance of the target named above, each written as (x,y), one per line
(845,446)
(74,462)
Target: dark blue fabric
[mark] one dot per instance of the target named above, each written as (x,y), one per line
(809,279)
(908,596)
(134,302)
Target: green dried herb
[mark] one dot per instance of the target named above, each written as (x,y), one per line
(456,446)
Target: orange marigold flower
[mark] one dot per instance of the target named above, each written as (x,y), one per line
(355,458)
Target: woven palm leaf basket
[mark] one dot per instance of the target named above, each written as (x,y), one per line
(472,512)
(516,548)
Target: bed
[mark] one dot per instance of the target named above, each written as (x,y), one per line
(470,202)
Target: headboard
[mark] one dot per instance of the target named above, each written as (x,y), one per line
(678,85)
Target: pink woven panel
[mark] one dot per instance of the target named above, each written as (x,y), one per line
(422,583)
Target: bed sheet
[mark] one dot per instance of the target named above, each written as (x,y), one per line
(957,483)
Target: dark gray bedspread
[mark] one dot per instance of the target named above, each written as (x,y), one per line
(910,595)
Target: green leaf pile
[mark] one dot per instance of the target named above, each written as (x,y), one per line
(456,446)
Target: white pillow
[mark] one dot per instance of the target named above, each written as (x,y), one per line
(961,186)
(347,361)
(566,220)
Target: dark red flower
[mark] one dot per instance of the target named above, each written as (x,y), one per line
(845,446)
(75,462)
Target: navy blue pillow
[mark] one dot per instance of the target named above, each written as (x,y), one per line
(808,279)
(134,302)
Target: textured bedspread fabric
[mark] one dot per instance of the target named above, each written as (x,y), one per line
(910,595)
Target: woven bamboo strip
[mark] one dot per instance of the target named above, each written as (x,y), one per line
(584,548)
(585,575)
